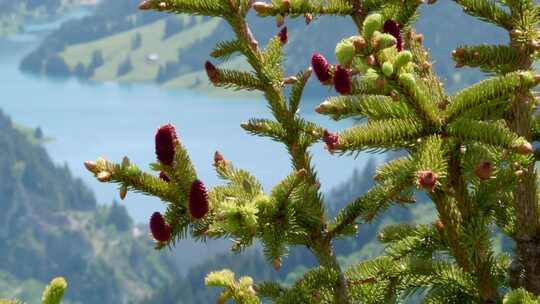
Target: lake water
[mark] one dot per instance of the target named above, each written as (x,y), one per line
(109,120)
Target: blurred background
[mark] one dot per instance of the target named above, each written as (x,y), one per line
(80,79)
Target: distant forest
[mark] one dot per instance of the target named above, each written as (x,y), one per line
(119,16)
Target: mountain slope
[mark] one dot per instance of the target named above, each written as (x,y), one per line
(179,45)
(52,227)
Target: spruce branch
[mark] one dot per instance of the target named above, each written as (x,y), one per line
(426,108)
(500,59)
(298,8)
(214,8)
(487,10)
(369,205)
(236,80)
(224,50)
(381,134)
(265,128)
(490,133)
(488,90)
(134,179)
(372,107)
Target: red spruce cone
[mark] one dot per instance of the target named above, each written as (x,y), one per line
(320,67)
(391,27)
(198,200)
(164,176)
(484,170)
(331,140)
(342,80)
(161,231)
(426,179)
(283,35)
(211,71)
(166,141)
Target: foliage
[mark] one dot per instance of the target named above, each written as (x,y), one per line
(470,154)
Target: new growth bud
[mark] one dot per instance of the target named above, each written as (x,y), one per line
(104,176)
(164,177)
(331,140)
(145,5)
(525,148)
(426,179)
(262,8)
(218,158)
(276,264)
(345,51)
(439,226)
(280,21)
(123,192)
(211,71)
(323,107)
(90,166)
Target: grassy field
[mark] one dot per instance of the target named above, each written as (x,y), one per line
(117,48)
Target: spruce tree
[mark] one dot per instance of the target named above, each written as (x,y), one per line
(470,152)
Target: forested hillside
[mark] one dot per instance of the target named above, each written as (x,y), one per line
(119,43)
(53,227)
(14,14)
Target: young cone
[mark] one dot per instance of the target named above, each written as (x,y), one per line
(320,67)
(198,200)
(342,80)
(164,176)
(283,35)
(426,179)
(331,140)
(160,230)
(391,27)
(166,141)
(211,71)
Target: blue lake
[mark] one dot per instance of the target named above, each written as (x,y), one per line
(110,120)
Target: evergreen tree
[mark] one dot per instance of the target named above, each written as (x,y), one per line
(136,41)
(470,154)
(124,67)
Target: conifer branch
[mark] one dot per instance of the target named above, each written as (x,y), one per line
(214,8)
(298,8)
(266,128)
(381,134)
(495,134)
(426,108)
(500,59)
(373,107)
(488,11)
(224,50)
(488,90)
(236,80)
(134,179)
